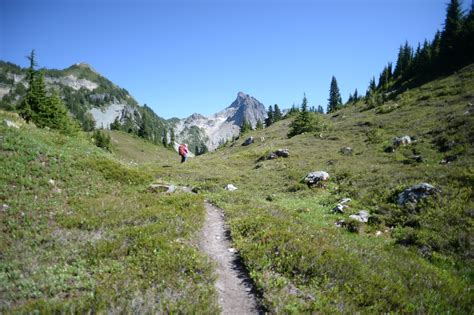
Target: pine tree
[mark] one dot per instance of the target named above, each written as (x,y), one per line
(259,125)
(165,138)
(451,36)
(277,115)
(320,109)
(334,101)
(172,138)
(270,118)
(467,38)
(115,125)
(246,126)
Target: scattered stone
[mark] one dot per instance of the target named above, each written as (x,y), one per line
(51,182)
(448,159)
(10,124)
(389,149)
(316,178)
(262,139)
(346,150)
(230,187)
(232,250)
(345,200)
(415,193)
(276,154)
(5,207)
(57,190)
(248,141)
(161,188)
(378,233)
(339,208)
(402,141)
(340,223)
(361,216)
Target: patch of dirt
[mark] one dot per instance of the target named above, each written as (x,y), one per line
(235,289)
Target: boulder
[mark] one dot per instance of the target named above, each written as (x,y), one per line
(316,178)
(282,153)
(276,154)
(339,208)
(230,187)
(415,193)
(402,141)
(161,188)
(10,124)
(361,216)
(346,150)
(345,200)
(248,141)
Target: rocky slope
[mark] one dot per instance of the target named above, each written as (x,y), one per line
(224,125)
(87,94)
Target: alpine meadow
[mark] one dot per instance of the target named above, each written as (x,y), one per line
(366,207)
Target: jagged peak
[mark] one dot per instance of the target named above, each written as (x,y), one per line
(242,95)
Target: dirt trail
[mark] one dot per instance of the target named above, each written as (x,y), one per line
(233,285)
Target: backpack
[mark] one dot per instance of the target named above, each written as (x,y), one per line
(181,150)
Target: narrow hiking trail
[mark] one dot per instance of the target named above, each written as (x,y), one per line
(233,285)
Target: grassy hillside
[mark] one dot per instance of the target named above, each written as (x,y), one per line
(406,259)
(80,232)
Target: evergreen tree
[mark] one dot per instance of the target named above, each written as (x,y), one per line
(259,125)
(270,118)
(277,115)
(246,126)
(304,121)
(372,87)
(115,125)
(165,138)
(320,109)
(334,101)
(44,110)
(172,138)
(451,36)
(467,38)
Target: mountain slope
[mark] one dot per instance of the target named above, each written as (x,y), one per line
(414,258)
(224,125)
(80,232)
(91,98)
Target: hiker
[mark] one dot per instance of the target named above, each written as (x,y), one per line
(183,151)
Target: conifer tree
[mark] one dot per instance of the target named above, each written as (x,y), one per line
(277,115)
(270,118)
(246,126)
(172,138)
(334,101)
(259,125)
(451,35)
(467,37)
(320,109)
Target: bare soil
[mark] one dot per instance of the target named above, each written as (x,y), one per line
(236,291)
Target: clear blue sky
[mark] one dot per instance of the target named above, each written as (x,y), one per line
(181,57)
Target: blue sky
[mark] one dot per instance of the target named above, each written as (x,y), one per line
(184,56)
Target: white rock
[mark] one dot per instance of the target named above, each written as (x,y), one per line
(11,124)
(51,182)
(230,187)
(362,216)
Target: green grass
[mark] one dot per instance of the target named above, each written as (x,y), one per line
(97,240)
(81,233)
(285,231)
